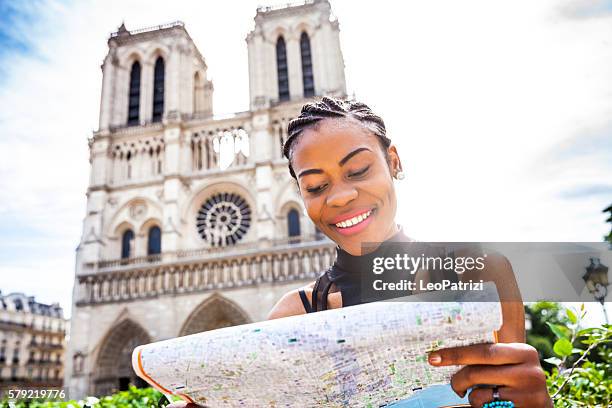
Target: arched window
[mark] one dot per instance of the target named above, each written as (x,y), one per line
(158,90)
(126,244)
(77,363)
(307,76)
(154,242)
(281,70)
(134,99)
(293,223)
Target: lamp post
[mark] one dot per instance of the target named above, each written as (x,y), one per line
(596,279)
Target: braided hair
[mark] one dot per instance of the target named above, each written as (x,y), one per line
(330,108)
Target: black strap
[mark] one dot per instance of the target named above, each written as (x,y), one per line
(319,297)
(305,301)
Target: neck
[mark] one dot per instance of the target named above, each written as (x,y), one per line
(354,266)
(393,233)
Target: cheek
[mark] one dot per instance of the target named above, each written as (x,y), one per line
(313,209)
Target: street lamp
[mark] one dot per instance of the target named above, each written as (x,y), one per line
(596,279)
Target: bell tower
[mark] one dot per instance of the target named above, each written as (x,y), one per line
(294,53)
(150,74)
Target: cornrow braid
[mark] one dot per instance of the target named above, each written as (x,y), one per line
(329,108)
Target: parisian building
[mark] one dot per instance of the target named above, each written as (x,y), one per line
(193,222)
(32,344)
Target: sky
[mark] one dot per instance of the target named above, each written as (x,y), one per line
(501,111)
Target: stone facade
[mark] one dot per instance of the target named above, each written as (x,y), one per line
(193,222)
(32,343)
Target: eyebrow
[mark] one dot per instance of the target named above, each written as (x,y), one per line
(341,162)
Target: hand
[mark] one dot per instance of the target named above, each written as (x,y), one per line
(513,367)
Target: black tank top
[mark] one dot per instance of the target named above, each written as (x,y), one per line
(346,274)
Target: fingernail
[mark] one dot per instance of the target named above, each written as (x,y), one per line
(435,358)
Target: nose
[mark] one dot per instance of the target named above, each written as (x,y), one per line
(341,195)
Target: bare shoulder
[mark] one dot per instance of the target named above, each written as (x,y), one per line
(291,303)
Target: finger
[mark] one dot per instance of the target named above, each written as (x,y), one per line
(490,354)
(521,399)
(480,396)
(472,375)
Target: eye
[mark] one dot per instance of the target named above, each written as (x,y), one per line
(359,172)
(315,190)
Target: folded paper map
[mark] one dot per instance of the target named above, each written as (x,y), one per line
(368,355)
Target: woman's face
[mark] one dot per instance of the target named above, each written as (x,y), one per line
(345,182)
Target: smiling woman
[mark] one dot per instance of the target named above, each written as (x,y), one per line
(345,168)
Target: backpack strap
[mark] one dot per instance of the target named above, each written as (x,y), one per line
(305,301)
(323,285)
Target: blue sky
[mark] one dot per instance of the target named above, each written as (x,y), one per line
(502,113)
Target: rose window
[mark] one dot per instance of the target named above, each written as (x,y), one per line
(223,219)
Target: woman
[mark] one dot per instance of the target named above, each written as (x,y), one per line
(344,166)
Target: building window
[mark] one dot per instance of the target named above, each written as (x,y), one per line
(158,90)
(281,70)
(126,244)
(77,363)
(223,219)
(293,223)
(154,241)
(307,75)
(134,96)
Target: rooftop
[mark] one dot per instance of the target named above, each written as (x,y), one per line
(282,7)
(19,302)
(123,31)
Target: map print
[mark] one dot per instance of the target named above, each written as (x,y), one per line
(368,355)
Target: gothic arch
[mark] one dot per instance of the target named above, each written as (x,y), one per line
(282,214)
(303,27)
(281,30)
(122,215)
(114,361)
(157,50)
(214,313)
(150,222)
(129,58)
(288,192)
(122,227)
(199,87)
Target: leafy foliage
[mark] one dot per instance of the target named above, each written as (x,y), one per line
(132,398)
(581,373)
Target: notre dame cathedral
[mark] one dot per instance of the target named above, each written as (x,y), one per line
(193,222)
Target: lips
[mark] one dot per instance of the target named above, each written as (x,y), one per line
(354,225)
(351,214)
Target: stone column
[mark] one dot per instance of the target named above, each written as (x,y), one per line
(294,61)
(174,141)
(107,96)
(261,152)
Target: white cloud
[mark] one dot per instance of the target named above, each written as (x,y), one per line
(477,95)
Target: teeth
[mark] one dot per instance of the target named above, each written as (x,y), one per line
(354,220)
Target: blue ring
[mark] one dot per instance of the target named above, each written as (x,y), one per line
(499,404)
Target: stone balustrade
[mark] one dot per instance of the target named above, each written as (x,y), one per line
(193,271)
